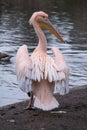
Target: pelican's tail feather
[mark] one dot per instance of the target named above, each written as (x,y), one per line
(44,98)
(46,107)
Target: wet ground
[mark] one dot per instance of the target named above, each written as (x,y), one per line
(71,114)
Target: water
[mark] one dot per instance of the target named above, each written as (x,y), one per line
(15,31)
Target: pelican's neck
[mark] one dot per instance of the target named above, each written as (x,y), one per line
(42,39)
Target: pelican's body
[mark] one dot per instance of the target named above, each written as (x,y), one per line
(40,74)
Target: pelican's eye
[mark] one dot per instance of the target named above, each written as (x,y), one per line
(44,17)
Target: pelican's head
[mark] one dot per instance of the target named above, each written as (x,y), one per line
(42,19)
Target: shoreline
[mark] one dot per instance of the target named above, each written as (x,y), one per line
(71,114)
(18,102)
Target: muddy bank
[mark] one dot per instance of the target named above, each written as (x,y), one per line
(71,114)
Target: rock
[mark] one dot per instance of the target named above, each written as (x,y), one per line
(4,56)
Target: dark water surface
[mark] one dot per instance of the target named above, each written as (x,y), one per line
(69,16)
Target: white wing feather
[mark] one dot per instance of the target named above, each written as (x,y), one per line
(23,69)
(62,84)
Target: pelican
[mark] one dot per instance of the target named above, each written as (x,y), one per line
(40,75)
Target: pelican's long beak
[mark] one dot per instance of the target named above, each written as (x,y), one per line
(46,24)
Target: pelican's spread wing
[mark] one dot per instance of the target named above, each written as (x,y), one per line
(62,84)
(41,66)
(23,68)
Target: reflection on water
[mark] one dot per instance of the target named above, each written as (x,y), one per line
(15,31)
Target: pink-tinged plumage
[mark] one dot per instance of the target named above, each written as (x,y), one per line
(39,73)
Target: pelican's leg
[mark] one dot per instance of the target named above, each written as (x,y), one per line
(30,105)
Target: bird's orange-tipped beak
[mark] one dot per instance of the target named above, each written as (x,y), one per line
(46,24)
